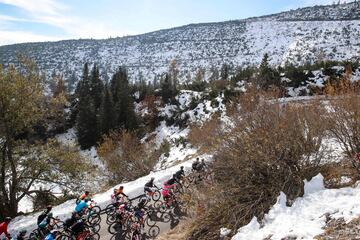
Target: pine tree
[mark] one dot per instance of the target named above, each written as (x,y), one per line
(224,72)
(107,112)
(86,122)
(123,102)
(267,76)
(174,72)
(166,89)
(214,74)
(96,86)
(71,83)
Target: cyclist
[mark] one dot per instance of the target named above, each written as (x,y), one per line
(114,197)
(203,165)
(44,214)
(52,235)
(180,174)
(167,195)
(171,182)
(120,191)
(72,220)
(123,209)
(149,185)
(81,206)
(4,227)
(21,235)
(83,196)
(195,165)
(78,227)
(46,221)
(139,211)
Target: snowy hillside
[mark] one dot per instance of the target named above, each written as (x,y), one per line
(299,36)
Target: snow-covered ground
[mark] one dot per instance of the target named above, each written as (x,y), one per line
(306,218)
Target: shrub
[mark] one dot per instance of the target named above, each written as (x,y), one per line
(344,119)
(271,148)
(126,156)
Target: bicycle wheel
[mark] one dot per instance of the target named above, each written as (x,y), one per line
(94,219)
(166,217)
(111,218)
(160,206)
(150,219)
(96,228)
(96,209)
(136,236)
(114,228)
(156,196)
(110,209)
(93,236)
(154,231)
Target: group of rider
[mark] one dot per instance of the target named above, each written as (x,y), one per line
(76,223)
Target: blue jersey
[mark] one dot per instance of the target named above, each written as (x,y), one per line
(80,206)
(49,237)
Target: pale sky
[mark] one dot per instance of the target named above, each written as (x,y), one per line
(49,20)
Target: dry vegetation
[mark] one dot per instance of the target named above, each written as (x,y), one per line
(126,156)
(269,147)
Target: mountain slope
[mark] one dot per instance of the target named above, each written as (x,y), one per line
(298,36)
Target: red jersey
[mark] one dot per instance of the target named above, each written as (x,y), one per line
(3,229)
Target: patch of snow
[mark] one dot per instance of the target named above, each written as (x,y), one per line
(224,232)
(306,217)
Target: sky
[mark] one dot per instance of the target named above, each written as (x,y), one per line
(51,20)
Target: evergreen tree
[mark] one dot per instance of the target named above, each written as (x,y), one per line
(71,82)
(155,82)
(96,86)
(214,74)
(166,89)
(174,72)
(86,122)
(224,72)
(267,76)
(123,102)
(107,112)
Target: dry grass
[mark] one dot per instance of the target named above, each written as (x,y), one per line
(180,232)
(334,172)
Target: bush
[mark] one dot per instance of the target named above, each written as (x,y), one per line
(126,156)
(271,148)
(344,120)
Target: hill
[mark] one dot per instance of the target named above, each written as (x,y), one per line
(299,36)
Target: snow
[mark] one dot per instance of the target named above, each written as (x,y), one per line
(306,217)
(224,232)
